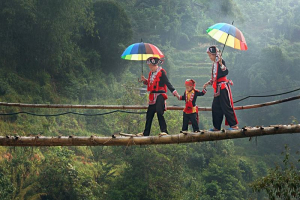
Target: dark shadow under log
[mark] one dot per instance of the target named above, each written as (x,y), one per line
(127,140)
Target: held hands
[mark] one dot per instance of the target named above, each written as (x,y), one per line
(175,93)
(206,84)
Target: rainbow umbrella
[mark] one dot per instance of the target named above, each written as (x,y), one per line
(141,51)
(228,35)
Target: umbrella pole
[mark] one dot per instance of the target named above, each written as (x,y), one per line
(142,64)
(226,41)
(142,60)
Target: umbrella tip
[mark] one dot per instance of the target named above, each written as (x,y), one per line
(232,22)
(141,39)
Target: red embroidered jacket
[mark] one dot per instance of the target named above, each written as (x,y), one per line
(158,84)
(191,102)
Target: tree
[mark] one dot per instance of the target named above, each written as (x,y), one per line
(281,182)
(112,34)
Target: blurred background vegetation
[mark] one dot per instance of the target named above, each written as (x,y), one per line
(55,51)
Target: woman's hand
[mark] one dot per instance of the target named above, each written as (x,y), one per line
(143,78)
(220,60)
(206,84)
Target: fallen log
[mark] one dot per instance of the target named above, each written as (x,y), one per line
(150,140)
(137,107)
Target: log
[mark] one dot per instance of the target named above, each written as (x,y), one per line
(138,107)
(150,140)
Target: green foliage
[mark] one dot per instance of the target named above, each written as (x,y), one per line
(150,173)
(69,52)
(112,34)
(62,179)
(224,179)
(6,187)
(281,182)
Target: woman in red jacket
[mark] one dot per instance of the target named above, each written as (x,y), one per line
(157,84)
(222,103)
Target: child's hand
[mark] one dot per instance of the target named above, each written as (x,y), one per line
(205,85)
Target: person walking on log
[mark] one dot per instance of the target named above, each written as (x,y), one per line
(157,84)
(222,103)
(190,112)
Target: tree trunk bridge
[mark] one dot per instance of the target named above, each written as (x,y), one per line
(128,140)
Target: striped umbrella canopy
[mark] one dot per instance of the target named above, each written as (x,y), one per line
(141,51)
(228,35)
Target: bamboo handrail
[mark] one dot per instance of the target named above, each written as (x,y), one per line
(138,107)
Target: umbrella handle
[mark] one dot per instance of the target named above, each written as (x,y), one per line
(140,80)
(226,41)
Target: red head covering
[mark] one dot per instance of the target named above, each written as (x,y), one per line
(190,82)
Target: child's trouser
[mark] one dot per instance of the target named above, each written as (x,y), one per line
(190,118)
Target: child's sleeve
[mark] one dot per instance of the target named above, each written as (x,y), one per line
(203,92)
(182,98)
(145,82)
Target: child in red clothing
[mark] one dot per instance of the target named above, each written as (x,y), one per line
(190,112)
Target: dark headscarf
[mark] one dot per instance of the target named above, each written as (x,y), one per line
(212,50)
(154,61)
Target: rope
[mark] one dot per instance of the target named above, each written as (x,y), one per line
(74,113)
(140,113)
(271,95)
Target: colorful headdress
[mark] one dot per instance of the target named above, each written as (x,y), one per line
(190,82)
(212,50)
(154,61)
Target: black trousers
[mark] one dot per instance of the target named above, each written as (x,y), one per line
(158,108)
(187,118)
(221,106)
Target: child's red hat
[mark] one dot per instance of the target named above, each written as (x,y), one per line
(190,82)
